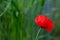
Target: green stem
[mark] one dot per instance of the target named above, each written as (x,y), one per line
(37,34)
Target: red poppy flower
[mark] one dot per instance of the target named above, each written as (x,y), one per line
(44,22)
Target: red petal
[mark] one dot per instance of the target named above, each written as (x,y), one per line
(50,25)
(44,22)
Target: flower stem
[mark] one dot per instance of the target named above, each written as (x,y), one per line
(37,34)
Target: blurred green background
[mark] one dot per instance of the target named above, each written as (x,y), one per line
(17,19)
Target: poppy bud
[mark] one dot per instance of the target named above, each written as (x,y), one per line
(44,22)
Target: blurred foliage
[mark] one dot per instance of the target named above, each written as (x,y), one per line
(17,19)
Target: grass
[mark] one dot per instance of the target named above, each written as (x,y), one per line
(17,20)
